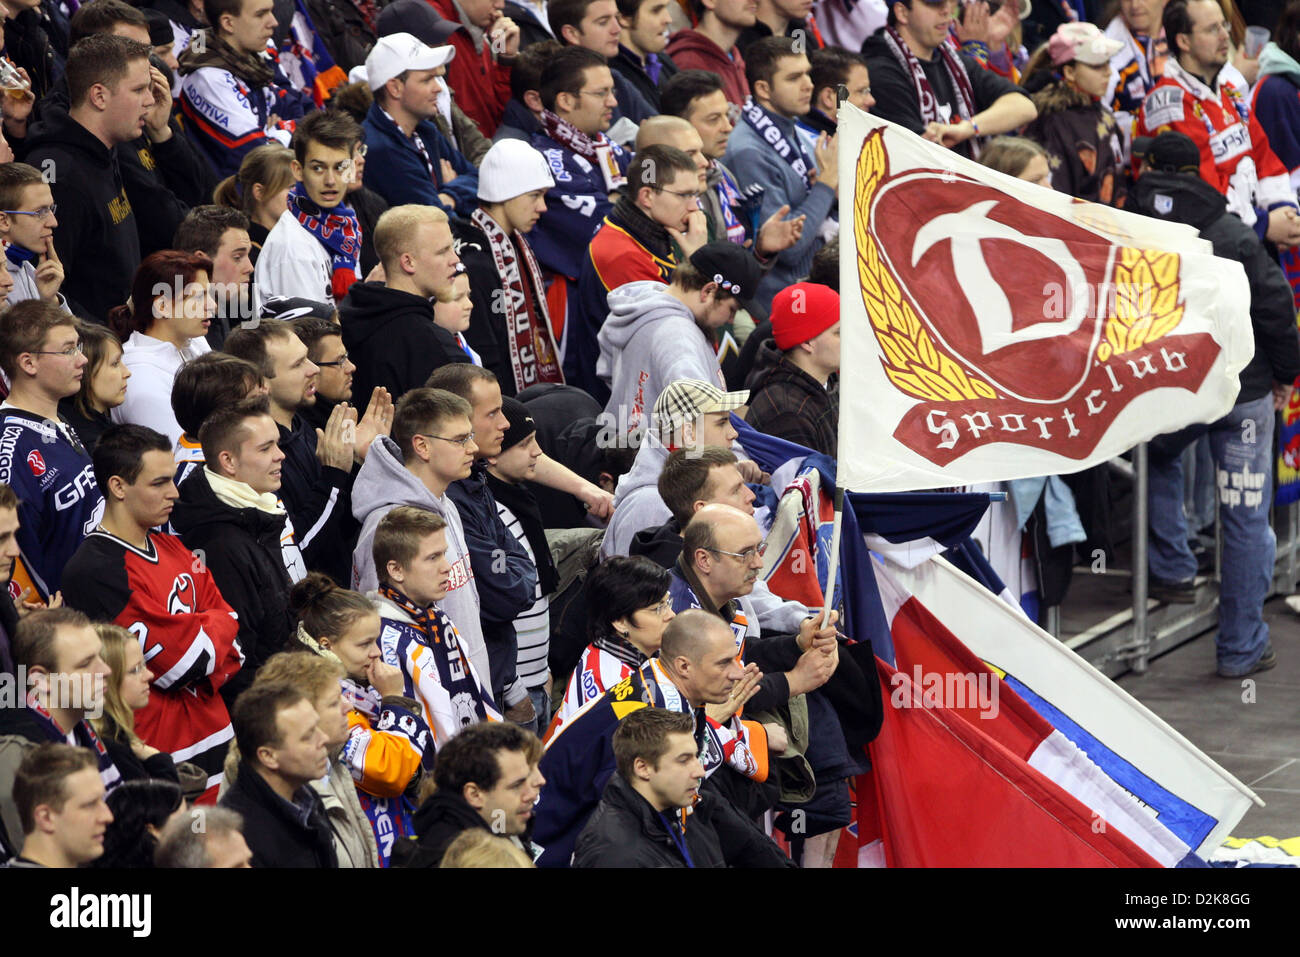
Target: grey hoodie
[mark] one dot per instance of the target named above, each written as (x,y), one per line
(637,504)
(649,341)
(382,484)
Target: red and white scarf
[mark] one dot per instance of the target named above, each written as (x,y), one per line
(533,356)
(599,152)
(924,92)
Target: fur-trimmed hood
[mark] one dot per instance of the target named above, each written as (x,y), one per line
(1059,96)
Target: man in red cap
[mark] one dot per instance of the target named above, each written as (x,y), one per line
(793,400)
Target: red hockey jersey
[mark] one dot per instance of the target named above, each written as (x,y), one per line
(168,600)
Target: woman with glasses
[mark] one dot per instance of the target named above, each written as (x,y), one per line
(103,385)
(163,324)
(628,608)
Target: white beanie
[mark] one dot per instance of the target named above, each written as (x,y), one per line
(512,168)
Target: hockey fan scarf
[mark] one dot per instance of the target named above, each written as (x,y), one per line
(924,92)
(790,149)
(186,630)
(438,672)
(598,152)
(81,736)
(533,356)
(338,230)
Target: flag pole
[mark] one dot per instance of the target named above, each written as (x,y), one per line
(835,558)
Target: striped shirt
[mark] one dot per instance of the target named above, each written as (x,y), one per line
(532,626)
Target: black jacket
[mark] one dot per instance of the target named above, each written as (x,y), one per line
(518,122)
(790,404)
(347,36)
(1272,308)
(88,428)
(27,41)
(369,206)
(506,577)
(163,180)
(662,544)
(438,822)
(628,65)
(625,831)
(319,502)
(568,430)
(241,547)
(275,834)
(531,29)
(97,239)
(391,338)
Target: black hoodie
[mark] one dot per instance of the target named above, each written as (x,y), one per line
(319,501)
(391,337)
(97,239)
(1272,309)
(241,547)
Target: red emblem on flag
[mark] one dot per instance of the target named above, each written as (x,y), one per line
(1008,322)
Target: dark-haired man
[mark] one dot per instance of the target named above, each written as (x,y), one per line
(1236,158)
(314,249)
(922,82)
(783,18)
(229,513)
(150,584)
(594,25)
(487,779)
(60,802)
(831,69)
(41,458)
(641,59)
(232,92)
(641,820)
(111,94)
(578,98)
(282,748)
(221,234)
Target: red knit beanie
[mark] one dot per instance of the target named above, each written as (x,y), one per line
(802,312)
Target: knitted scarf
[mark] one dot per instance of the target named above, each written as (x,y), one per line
(533,356)
(790,149)
(924,92)
(598,152)
(337,230)
(643,229)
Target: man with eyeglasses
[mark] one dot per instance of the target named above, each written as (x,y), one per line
(656,221)
(1191,99)
(578,100)
(27,222)
(432,446)
(41,458)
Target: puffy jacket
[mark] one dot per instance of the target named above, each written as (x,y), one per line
(625,831)
(396,171)
(1272,308)
(275,834)
(243,548)
(692,50)
(392,339)
(792,405)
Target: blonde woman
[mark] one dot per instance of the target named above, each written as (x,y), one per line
(126,691)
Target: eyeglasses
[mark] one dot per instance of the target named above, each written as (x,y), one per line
(689,197)
(361,149)
(748,555)
(1220,27)
(662,607)
(68,353)
(463,441)
(337,362)
(599,94)
(44,213)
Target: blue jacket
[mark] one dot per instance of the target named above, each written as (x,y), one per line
(753,160)
(396,171)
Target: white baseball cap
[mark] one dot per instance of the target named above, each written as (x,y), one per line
(511,168)
(396,53)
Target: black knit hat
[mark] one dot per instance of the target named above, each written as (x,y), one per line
(521,423)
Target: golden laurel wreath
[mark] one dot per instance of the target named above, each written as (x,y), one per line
(1146,301)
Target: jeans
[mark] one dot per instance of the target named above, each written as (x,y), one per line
(1241,444)
(542,704)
